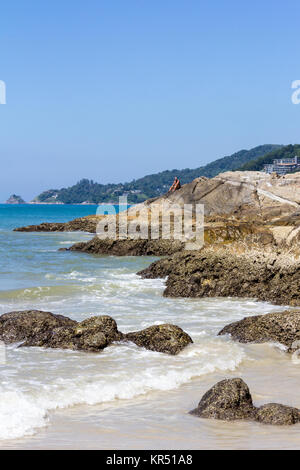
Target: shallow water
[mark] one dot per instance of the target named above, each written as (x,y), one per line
(124,397)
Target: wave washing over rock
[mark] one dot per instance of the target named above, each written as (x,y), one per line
(124,376)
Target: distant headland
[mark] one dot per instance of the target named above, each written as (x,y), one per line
(89,192)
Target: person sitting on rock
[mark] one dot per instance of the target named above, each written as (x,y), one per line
(176,185)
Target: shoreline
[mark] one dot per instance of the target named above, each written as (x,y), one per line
(124,424)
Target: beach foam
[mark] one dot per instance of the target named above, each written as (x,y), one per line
(128,372)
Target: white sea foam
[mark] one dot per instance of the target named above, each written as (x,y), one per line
(19,415)
(22,412)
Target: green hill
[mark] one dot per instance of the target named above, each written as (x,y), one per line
(151,185)
(288,151)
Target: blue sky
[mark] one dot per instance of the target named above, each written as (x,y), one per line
(115,89)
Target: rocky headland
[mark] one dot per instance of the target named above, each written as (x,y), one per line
(236,198)
(251,238)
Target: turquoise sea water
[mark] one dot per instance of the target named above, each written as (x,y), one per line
(18,215)
(124,397)
(26,258)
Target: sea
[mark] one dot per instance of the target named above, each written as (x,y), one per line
(124,397)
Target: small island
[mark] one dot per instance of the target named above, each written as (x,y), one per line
(14,199)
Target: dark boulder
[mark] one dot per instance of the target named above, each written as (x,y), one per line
(274,413)
(92,334)
(23,325)
(231,400)
(281,327)
(228,400)
(165,338)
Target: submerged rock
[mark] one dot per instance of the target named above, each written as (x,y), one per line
(23,325)
(281,327)
(228,400)
(165,338)
(231,400)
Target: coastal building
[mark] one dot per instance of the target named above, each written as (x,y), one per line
(283,166)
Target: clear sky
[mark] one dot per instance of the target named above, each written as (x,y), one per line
(115,89)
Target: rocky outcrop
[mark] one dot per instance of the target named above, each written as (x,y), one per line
(240,196)
(244,208)
(224,272)
(128,247)
(243,194)
(14,199)
(23,325)
(82,224)
(220,232)
(231,400)
(44,329)
(166,338)
(281,327)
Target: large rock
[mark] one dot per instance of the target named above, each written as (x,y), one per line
(228,400)
(165,338)
(243,193)
(281,327)
(93,334)
(23,325)
(231,400)
(221,272)
(44,329)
